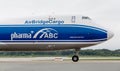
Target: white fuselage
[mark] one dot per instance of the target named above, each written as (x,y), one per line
(50,33)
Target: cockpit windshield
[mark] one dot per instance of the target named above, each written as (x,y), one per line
(85,17)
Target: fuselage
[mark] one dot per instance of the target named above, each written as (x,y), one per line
(55,34)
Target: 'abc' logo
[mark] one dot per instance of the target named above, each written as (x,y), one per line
(46,33)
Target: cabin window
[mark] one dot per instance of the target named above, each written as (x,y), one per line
(84,17)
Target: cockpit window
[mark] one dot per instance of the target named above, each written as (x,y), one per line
(84,17)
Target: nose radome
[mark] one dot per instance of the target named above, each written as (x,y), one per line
(110,34)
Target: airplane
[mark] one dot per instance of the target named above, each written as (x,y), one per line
(47,33)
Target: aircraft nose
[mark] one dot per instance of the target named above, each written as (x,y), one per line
(110,34)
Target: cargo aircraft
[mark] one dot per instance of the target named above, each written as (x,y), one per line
(46,33)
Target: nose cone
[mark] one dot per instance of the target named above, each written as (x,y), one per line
(110,34)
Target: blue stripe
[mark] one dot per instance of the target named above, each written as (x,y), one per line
(65,31)
(57,41)
(52,25)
